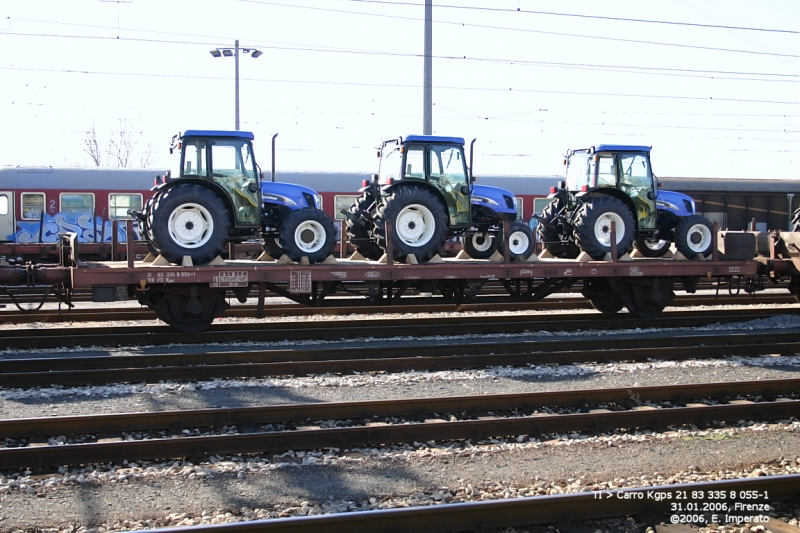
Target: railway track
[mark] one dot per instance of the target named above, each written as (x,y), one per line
(652,502)
(344,307)
(346,328)
(275,429)
(98,370)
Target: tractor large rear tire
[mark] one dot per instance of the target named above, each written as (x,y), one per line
(189,220)
(308,233)
(693,236)
(550,234)
(419,223)
(593,226)
(358,230)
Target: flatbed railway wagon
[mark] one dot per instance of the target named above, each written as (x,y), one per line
(190,298)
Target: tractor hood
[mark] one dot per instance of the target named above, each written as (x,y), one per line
(499,200)
(676,202)
(290,195)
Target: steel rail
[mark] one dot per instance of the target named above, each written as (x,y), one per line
(339,307)
(410,407)
(41,458)
(537,510)
(379,327)
(83,371)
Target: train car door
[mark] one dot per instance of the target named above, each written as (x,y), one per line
(7,226)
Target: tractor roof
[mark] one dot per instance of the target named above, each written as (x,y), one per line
(219,133)
(621,148)
(433,139)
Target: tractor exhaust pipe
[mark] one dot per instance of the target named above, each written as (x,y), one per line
(471,178)
(273,157)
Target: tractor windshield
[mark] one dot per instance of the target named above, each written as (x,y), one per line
(578,173)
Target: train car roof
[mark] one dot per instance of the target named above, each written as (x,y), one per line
(732,185)
(219,133)
(86,179)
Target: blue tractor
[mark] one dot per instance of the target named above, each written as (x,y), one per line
(427,192)
(214,195)
(608,183)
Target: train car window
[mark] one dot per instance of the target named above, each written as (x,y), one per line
(32,205)
(342,201)
(120,203)
(73,203)
(3,205)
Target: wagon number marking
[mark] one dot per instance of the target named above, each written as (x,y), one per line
(230,278)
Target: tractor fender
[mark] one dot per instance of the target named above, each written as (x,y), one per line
(210,185)
(607,191)
(385,191)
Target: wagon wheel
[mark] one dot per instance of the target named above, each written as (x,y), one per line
(189,313)
(647,298)
(602,296)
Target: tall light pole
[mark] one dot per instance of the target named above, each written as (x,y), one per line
(228,52)
(427,98)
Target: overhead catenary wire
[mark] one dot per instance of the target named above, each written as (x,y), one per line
(579,15)
(526,30)
(397,85)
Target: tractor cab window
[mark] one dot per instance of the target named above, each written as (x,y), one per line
(194,159)
(606,171)
(233,168)
(415,163)
(578,171)
(449,174)
(635,171)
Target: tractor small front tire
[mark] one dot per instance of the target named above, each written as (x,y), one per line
(480,245)
(593,226)
(693,236)
(308,232)
(652,248)
(191,220)
(419,223)
(520,241)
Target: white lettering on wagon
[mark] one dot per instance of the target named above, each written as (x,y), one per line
(734,269)
(230,278)
(525,272)
(340,275)
(300,281)
(636,272)
(567,271)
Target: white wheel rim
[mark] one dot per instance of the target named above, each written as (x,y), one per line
(309,236)
(698,238)
(518,243)
(656,245)
(190,225)
(602,228)
(415,225)
(481,241)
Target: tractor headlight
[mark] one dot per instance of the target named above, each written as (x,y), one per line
(278,198)
(318,201)
(484,200)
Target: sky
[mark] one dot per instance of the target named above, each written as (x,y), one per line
(711,85)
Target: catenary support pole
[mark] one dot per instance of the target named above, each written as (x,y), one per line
(427,112)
